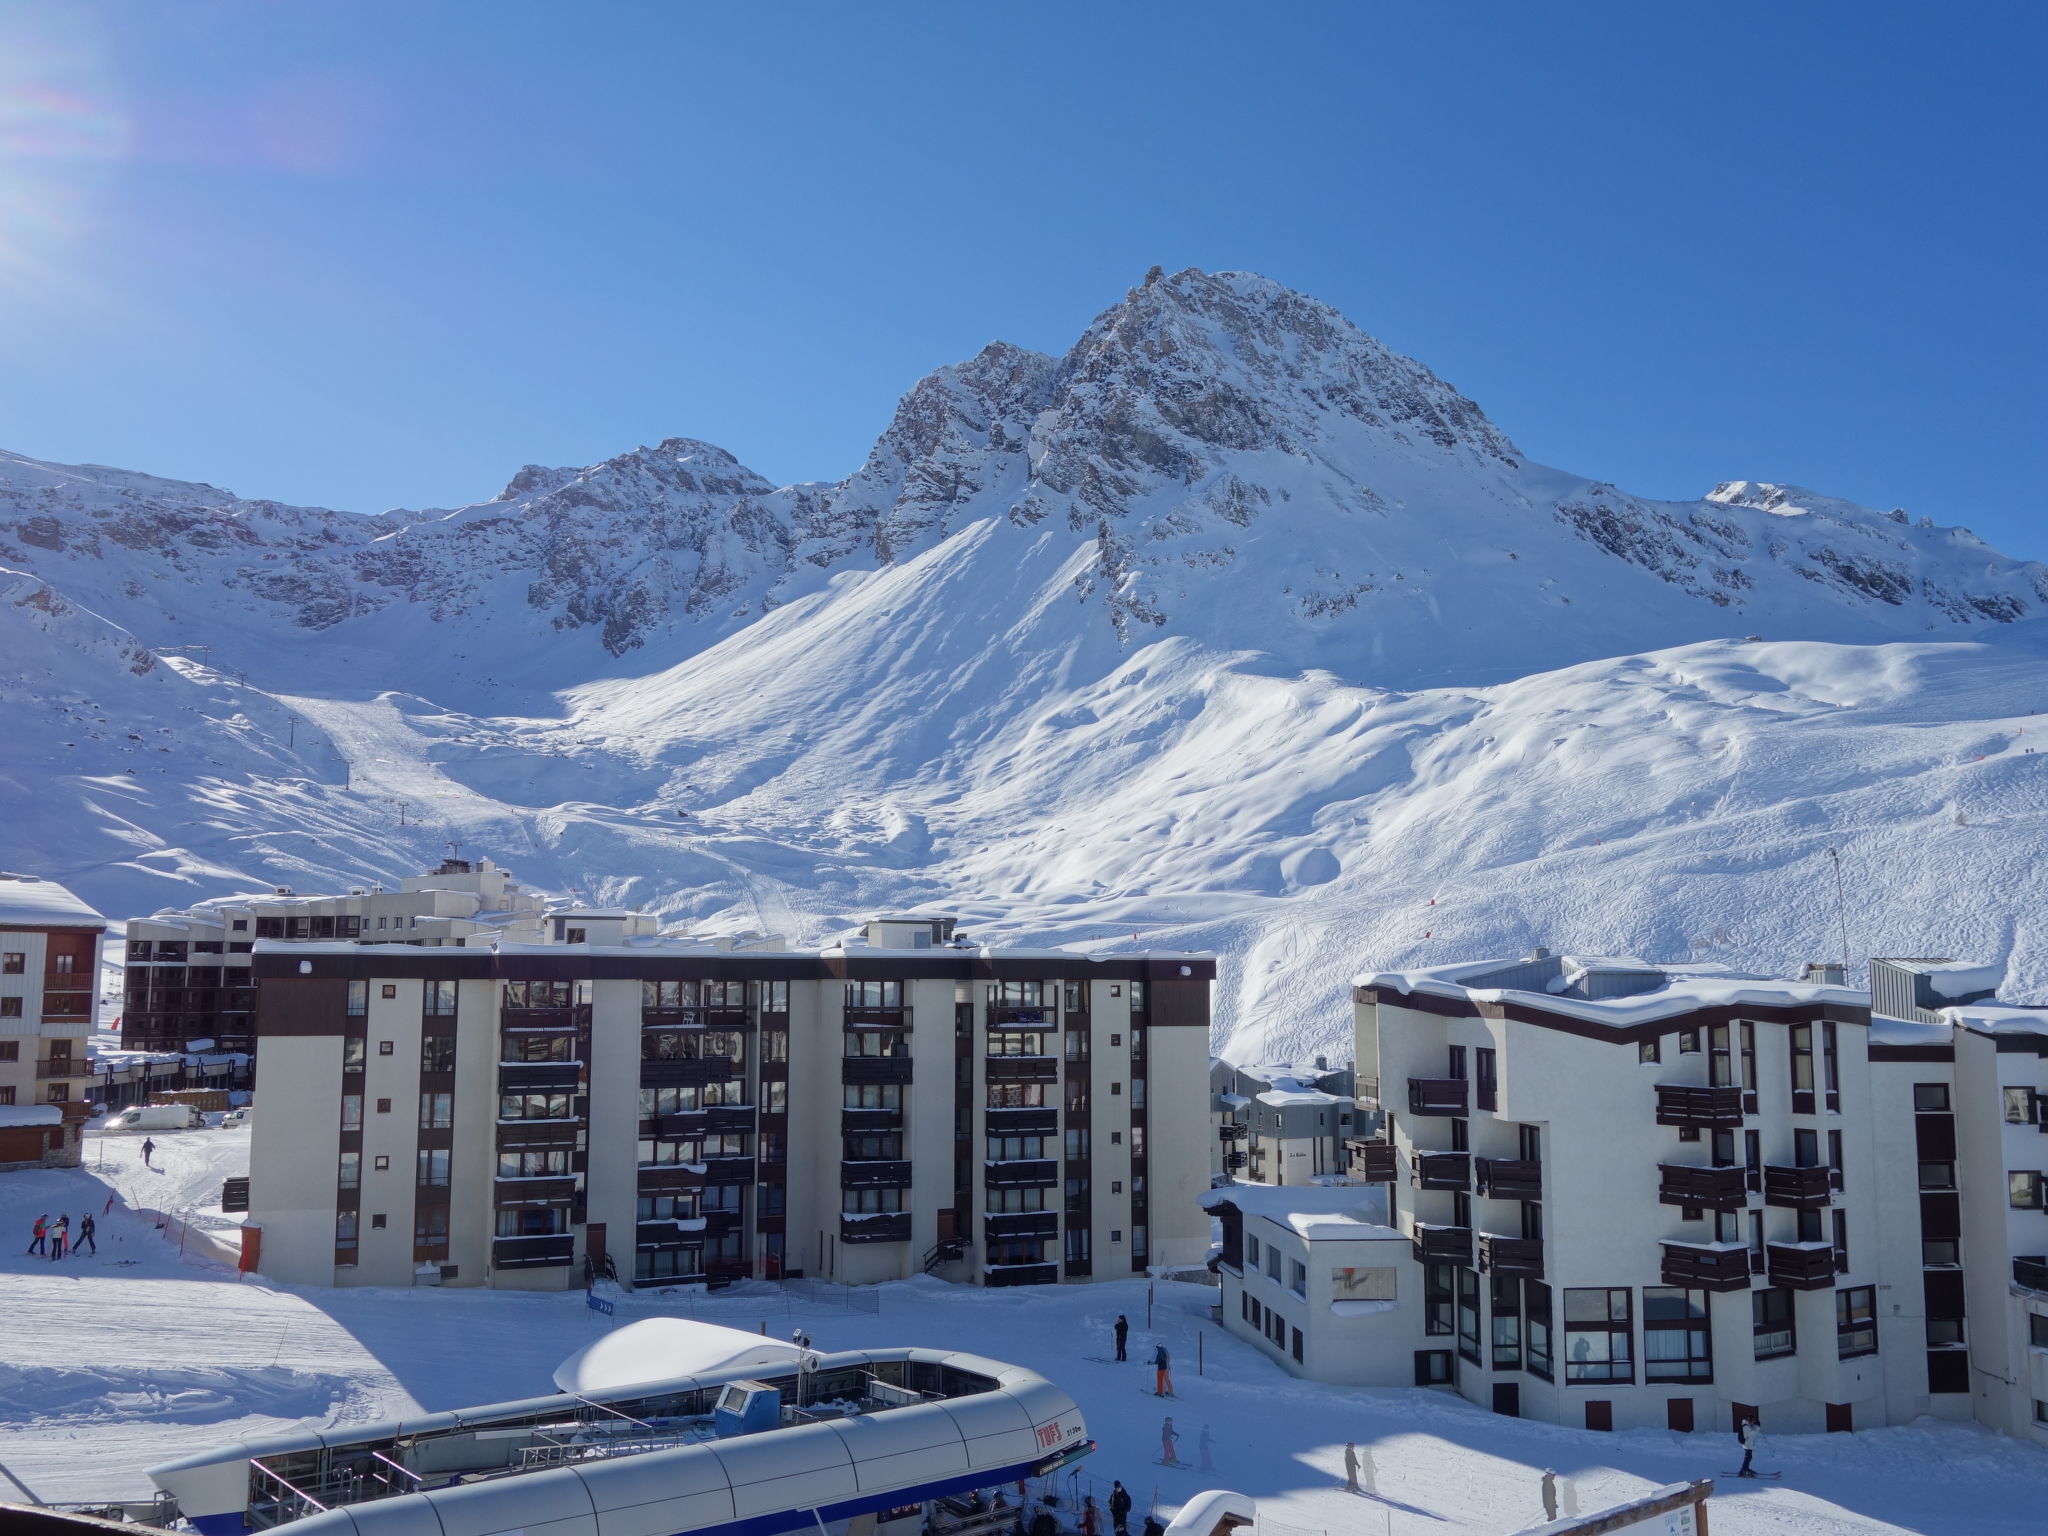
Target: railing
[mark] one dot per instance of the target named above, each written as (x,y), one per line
(728,1170)
(1020,1274)
(515,1135)
(64,1067)
(874,1173)
(1440,1170)
(273,1501)
(1707,1269)
(1023,1069)
(946,1251)
(879,1227)
(874,1069)
(2031,1275)
(518,1190)
(1801,1268)
(1508,1179)
(1511,1257)
(1682,1104)
(535,1076)
(1230,1130)
(1002,1224)
(869,1122)
(540,1252)
(1438,1096)
(1719,1189)
(1802,1189)
(1442,1245)
(1022,1120)
(878,1018)
(1026,1172)
(1372,1161)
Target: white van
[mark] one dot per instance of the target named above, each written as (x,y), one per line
(155,1117)
(235,1117)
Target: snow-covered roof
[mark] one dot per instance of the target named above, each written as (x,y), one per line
(1996,1018)
(1299,1098)
(30,1114)
(29,901)
(664,1348)
(1676,989)
(1885,1031)
(1316,1213)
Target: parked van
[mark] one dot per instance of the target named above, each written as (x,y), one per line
(235,1117)
(156,1117)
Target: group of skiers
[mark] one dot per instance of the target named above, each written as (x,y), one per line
(54,1239)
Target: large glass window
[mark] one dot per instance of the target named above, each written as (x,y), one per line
(1015,1148)
(437,1111)
(351,1170)
(1801,1036)
(1439,1297)
(437,1053)
(1507,1324)
(352,1112)
(430,1226)
(1536,1310)
(438,999)
(872,1202)
(534,1163)
(433,1167)
(1599,1338)
(1015,1042)
(877,1042)
(1677,1342)
(358,998)
(1856,1321)
(521,1046)
(1468,1314)
(1771,1310)
(539,994)
(871,1096)
(874,994)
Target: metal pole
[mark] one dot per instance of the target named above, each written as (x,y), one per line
(1201,1351)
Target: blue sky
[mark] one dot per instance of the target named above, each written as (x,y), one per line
(367,255)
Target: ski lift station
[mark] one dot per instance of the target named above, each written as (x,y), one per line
(663,1428)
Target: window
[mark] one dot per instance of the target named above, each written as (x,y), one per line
(1599,1335)
(358,998)
(533,1223)
(1077,1145)
(1024,1095)
(1434,1368)
(353,1050)
(430,1226)
(1930,1097)
(1486,1086)
(352,1112)
(536,1163)
(345,1237)
(10,1008)
(1272,1262)
(14,963)
(1456,1063)
(1015,1042)
(1002,1149)
(879,1202)
(437,1053)
(1801,1039)
(377,1222)
(438,999)
(1856,1321)
(877,1042)
(1720,1062)
(383,1106)
(1677,1345)
(1809,1226)
(1531,1137)
(1532,1221)
(1251,1251)
(871,1096)
(384,1047)
(1841,1231)
(2019,1106)
(1688,1042)
(2025,1190)
(1771,1311)
(10,1050)
(1507,1324)
(1439,1297)
(1010,1201)
(351,1174)
(1468,1314)
(435,1113)
(2037,1329)
(877,994)
(1297,1278)
(1651,1049)
(1536,1311)
(7,1093)
(389,990)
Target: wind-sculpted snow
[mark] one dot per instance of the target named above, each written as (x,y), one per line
(1229,627)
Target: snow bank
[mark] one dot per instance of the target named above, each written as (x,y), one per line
(30,1114)
(665,1348)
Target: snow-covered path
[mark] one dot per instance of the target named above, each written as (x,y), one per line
(111,1363)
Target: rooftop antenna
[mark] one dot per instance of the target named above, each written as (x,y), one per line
(454,849)
(1842,914)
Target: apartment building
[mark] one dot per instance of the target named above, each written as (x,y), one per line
(188,971)
(49,992)
(1282,1124)
(674,1110)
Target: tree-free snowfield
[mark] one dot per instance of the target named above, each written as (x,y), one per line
(112,1362)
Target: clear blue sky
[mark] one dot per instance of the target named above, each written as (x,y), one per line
(374,254)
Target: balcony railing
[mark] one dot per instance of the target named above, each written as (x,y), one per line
(1020,1274)
(1715,1268)
(1373,1162)
(874,1069)
(728,1170)
(1442,1245)
(64,1066)
(664,1071)
(509,1192)
(1502,1178)
(1020,1172)
(1682,1104)
(1798,1267)
(669,1178)
(539,1077)
(878,1018)
(869,1122)
(1440,1170)
(552,1252)
(518,1135)
(1438,1096)
(1230,1130)
(1029,1121)
(1801,1189)
(1023,1069)
(1236,1160)
(1021,1016)
(2031,1275)
(1715,1189)
(686,1126)
(1511,1257)
(883,1227)
(1002,1224)
(874,1174)
(725,1118)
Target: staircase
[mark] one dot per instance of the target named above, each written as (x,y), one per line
(947,1251)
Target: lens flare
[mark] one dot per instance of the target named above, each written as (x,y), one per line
(62,134)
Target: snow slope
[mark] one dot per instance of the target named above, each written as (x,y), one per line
(1228,628)
(117,1362)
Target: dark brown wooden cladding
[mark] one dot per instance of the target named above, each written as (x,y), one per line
(1180,1002)
(1619,1034)
(302,1005)
(392,961)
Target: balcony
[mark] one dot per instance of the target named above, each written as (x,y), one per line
(1438,1096)
(1799,1189)
(539,1076)
(683,1127)
(511,1193)
(1440,1170)
(1514,1258)
(694,1018)
(63,1066)
(1714,1189)
(687,1232)
(2031,1275)
(882,1227)
(726,1118)
(1701,1108)
(519,1135)
(553,1252)
(874,1174)
(1006,1224)
(1020,1274)
(1236,1160)
(869,1122)
(1442,1245)
(1707,1266)
(874,1069)
(1022,1122)
(1508,1179)
(878,1018)
(1230,1130)
(673,1071)
(1021,1016)
(719,1223)
(728,1170)
(1373,1162)
(1015,1173)
(1802,1266)
(1023,1069)
(669,1179)
(543,1021)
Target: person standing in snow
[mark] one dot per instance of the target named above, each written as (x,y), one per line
(1350,1467)
(1162,1364)
(1119,1509)
(1091,1517)
(39,1234)
(1207,1446)
(1549,1494)
(1123,1331)
(85,1237)
(1750,1433)
(148,1151)
(1168,1436)
(58,1234)
(1153,1527)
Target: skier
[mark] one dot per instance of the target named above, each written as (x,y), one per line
(1350,1467)
(1162,1365)
(1153,1527)
(1091,1517)
(58,1234)
(39,1234)
(1750,1433)
(1549,1494)
(1119,1509)
(85,1237)
(1207,1447)
(148,1151)
(1123,1330)
(1167,1436)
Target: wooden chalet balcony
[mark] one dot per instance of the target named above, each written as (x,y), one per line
(1373,1162)
(1801,1189)
(1442,1245)
(551,1252)
(1682,1104)
(1502,1178)
(869,1122)
(1715,1189)
(883,1227)
(1511,1257)
(874,1069)
(1709,1267)
(1023,1069)
(1798,1267)
(1440,1170)
(1024,1173)
(874,1173)
(1439,1096)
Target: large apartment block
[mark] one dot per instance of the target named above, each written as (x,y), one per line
(49,992)
(674,1110)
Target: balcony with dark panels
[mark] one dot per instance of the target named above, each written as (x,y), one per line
(667,1234)
(1513,1258)
(544,1021)
(669,1178)
(1707,1266)
(1799,1189)
(1442,1245)
(728,1170)
(513,1193)
(1439,1096)
(869,1122)
(1023,1122)
(721,1118)
(1004,1224)
(539,1077)
(695,1018)
(1715,1189)
(1501,1178)
(1699,1108)
(874,1069)
(1372,1162)
(678,1071)
(1440,1170)
(1802,1267)
(874,1174)
(1023,1069)
(683,1127)
(1022,1016)
(720,1223)
(1024,1173)
(553,1252)
(877,1018)
(1020,1274)
(885,1227)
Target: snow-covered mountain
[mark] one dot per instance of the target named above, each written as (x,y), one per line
(1230,627)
